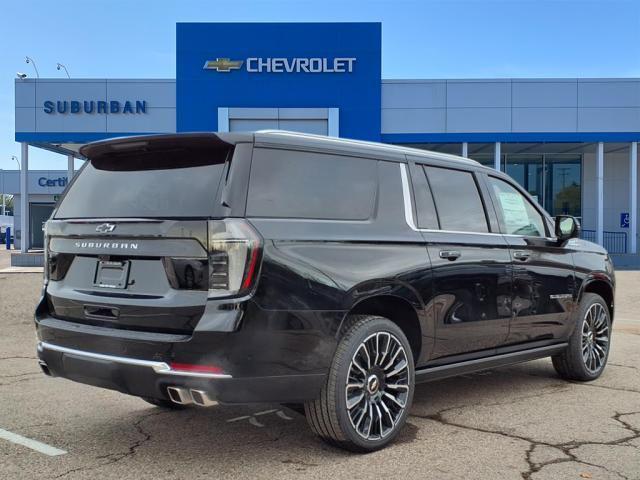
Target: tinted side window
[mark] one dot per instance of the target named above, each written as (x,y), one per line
(285,183)
(457,199)
(517,215)
(425,208)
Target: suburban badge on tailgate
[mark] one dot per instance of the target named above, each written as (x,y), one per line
(113,245)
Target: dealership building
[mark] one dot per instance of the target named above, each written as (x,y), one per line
(571,143)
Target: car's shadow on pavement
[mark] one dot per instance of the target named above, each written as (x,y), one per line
(246,435)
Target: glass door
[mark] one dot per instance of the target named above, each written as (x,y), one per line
(40,213)
(554,180)
(528,170)
(563,184)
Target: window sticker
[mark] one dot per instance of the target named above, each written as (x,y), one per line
(514,210)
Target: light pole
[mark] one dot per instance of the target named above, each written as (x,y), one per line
(62,66)
(19,168)
(3,206)
(30,60)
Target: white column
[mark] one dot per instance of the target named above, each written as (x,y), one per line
(223,119)
(633,198)
(496,157)
(70,167)
(24,198)
(333,122)
(465,149)
(600,193)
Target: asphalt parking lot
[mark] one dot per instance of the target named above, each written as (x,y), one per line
(516,422)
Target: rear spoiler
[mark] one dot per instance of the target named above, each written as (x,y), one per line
(174,141)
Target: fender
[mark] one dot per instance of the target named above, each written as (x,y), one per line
(592,278)
(400,290)
(603,278)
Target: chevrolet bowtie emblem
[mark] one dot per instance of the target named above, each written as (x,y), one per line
(223,64)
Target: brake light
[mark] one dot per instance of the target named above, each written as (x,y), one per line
(57,265)
(45,276)
(234,255)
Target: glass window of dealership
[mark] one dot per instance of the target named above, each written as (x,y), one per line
(571,143)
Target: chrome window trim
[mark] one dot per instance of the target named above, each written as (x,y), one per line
(408,210)
(158,367)
(408,213)
(406,196)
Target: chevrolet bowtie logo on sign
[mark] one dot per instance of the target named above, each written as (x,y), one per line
(284,65)
(223,64)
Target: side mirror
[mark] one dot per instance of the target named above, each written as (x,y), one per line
(567,227)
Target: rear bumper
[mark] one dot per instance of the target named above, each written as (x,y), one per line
(268,359)
(148,378)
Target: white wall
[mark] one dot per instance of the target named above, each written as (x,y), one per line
(511,105)
(616,190)
(318,121)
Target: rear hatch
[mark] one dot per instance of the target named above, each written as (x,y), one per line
(132,244)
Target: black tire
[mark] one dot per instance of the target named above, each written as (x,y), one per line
(329,417)
(571,364)
(162,403)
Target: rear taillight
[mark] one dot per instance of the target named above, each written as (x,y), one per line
(234,256)
(46,256)
(57,265)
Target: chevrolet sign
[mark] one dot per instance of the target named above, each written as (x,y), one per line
(284,65)
(222,64)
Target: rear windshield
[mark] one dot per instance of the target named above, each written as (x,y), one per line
(158,184)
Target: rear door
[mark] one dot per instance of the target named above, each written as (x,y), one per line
(128,244)
(470,260)
(543,283)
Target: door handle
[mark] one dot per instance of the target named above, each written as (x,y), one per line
(521,255)
(450,254)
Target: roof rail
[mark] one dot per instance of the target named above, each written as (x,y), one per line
(364,143)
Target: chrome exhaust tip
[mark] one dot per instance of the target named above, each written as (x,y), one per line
(201,398)
(179,395)
(45,368)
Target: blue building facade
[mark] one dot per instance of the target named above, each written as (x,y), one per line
(572,143)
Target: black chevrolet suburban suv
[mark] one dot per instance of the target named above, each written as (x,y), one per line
(327,274)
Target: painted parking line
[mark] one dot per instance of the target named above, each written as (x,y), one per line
(32,444)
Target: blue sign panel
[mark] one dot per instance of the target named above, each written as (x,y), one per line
(624,220)
(280,65)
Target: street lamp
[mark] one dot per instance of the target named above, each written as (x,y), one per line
(13,157)
(30,60)
(3,206)
(61,65)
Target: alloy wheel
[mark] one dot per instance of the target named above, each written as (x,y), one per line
(595,338)
(377,386)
